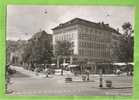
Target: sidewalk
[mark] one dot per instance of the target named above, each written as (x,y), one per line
(27,72)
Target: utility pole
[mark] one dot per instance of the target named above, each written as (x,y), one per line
(100,78)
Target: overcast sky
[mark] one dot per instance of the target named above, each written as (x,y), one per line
(23,21)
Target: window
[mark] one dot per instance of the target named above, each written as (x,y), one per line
(72,44)
(82,52)
(96,31)
(80,36)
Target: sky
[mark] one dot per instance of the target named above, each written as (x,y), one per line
(25,20)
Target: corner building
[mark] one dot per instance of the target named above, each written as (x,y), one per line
(92,42)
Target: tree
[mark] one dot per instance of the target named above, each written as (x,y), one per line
(127,28)
(63,49)
(128,42)
(38,50)
(125,49)
(13,47)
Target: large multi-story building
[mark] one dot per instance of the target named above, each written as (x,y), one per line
(92,41)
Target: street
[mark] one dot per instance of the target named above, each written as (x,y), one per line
(26,83)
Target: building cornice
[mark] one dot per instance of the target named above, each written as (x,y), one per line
(78,21)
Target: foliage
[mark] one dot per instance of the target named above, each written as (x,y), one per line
(125,50)
(13,46)
(63,48)
(38,50)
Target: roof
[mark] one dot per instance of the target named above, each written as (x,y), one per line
(86,23)
(40,34)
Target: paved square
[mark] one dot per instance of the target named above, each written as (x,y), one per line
(23,83)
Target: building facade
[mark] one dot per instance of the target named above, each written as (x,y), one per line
(93,42)
(39,40)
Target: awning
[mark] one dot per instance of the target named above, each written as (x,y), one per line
(65,64)
(73,66)
(121,64)
(53,64)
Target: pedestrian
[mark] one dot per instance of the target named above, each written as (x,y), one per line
(46,72)
(36,71)
(100,78)
(87,72)
(118,72)
(84,76)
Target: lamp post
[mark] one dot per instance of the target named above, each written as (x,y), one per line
(64,61)
(100,79)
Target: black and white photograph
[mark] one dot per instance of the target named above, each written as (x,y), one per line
(69,50)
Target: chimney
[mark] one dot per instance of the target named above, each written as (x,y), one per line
(107,24)
(102,22)
(117,29)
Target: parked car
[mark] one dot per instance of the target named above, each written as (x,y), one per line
(11,71)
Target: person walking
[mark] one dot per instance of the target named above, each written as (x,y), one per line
(36,71)
(46,72)
(87,73)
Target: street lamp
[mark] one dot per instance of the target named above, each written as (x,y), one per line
(100,79)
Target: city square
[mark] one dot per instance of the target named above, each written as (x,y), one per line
(86,53)
(24,83)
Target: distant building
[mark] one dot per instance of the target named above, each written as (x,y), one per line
(93,42)
(16,56)
(43,36)
(14,49)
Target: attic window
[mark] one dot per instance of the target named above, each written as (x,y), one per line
(61,24)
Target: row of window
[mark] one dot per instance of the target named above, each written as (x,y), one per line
(95,31)
(93,37)
(95,45)
(94,53)
(66,36)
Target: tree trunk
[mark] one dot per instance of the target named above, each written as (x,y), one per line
(64,61)
(57,62)
(71,59)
